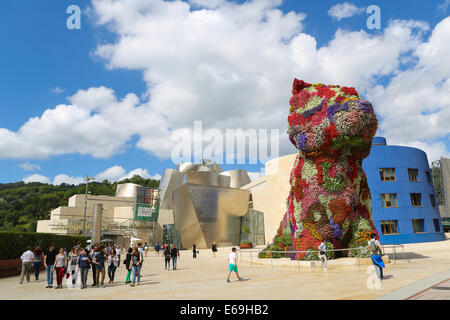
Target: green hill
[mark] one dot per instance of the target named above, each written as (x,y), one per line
(23,204)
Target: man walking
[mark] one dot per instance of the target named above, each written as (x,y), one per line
(174,254)
(49,262)
(99,261)
(323,256)
(27,262)
(232,264)
(166,257)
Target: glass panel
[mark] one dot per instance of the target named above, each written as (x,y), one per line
(416,199)
(413,174)
(418,225)
(389,227)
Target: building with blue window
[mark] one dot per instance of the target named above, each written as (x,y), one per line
(404,203)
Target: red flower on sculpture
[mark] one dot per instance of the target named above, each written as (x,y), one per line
(299,85)
(350,91)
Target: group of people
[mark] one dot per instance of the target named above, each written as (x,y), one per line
(375,251)
(74,264)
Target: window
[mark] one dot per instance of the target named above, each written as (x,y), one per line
(416,199)
(437,226)
(418,225)
(413,175)
(387,174)
(427,174)
(388,200)
(388,227)
(433,201)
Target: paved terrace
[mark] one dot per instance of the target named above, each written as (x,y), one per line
(425,276)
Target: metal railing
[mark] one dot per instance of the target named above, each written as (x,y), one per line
(361,252)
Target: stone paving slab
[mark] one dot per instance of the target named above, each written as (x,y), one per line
(204,279)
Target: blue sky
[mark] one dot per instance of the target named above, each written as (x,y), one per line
(43,63)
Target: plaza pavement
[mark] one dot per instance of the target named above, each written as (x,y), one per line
(204,278)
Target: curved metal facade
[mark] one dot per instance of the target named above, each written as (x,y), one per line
(401,159)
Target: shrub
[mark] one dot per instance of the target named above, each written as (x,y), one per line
(13,244)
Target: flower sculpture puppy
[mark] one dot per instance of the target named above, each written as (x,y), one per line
(329,197)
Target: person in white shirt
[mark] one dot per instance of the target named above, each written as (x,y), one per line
(118,253)
(27,262)
(323,255)
(232,264)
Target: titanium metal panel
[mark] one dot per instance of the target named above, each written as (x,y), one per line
(238,178)
(204,214)
(170,180)
(127,190)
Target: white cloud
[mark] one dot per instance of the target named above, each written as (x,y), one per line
(211,4)
(64,178)
(30,166)
(36,178)
(255,175)
(57,90)
(112,174)
(232,65)
(344,10)
(444,6)
(415,105)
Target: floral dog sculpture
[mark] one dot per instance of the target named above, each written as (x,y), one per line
(329,199)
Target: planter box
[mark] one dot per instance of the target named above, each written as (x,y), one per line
(13,267)
(246,246)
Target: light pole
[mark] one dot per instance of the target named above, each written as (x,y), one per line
(85,203)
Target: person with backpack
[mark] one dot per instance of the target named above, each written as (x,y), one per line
(375,250)
(127,264)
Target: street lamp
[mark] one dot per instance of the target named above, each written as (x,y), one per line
(85,203)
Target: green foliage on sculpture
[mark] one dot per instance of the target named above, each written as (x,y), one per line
(329,199)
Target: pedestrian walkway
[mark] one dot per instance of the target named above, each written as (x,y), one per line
(204,278)
(435,287)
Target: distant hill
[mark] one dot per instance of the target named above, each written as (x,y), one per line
(23,204)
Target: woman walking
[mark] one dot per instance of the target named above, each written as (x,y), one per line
(127,263)
(37,261)
(72,267)
(84,263)
(60,267)
(194,251)
(136,260)
(214,249)
(113,263)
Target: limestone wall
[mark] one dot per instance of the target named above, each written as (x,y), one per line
(270,192)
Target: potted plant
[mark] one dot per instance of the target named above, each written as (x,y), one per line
(246,245)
